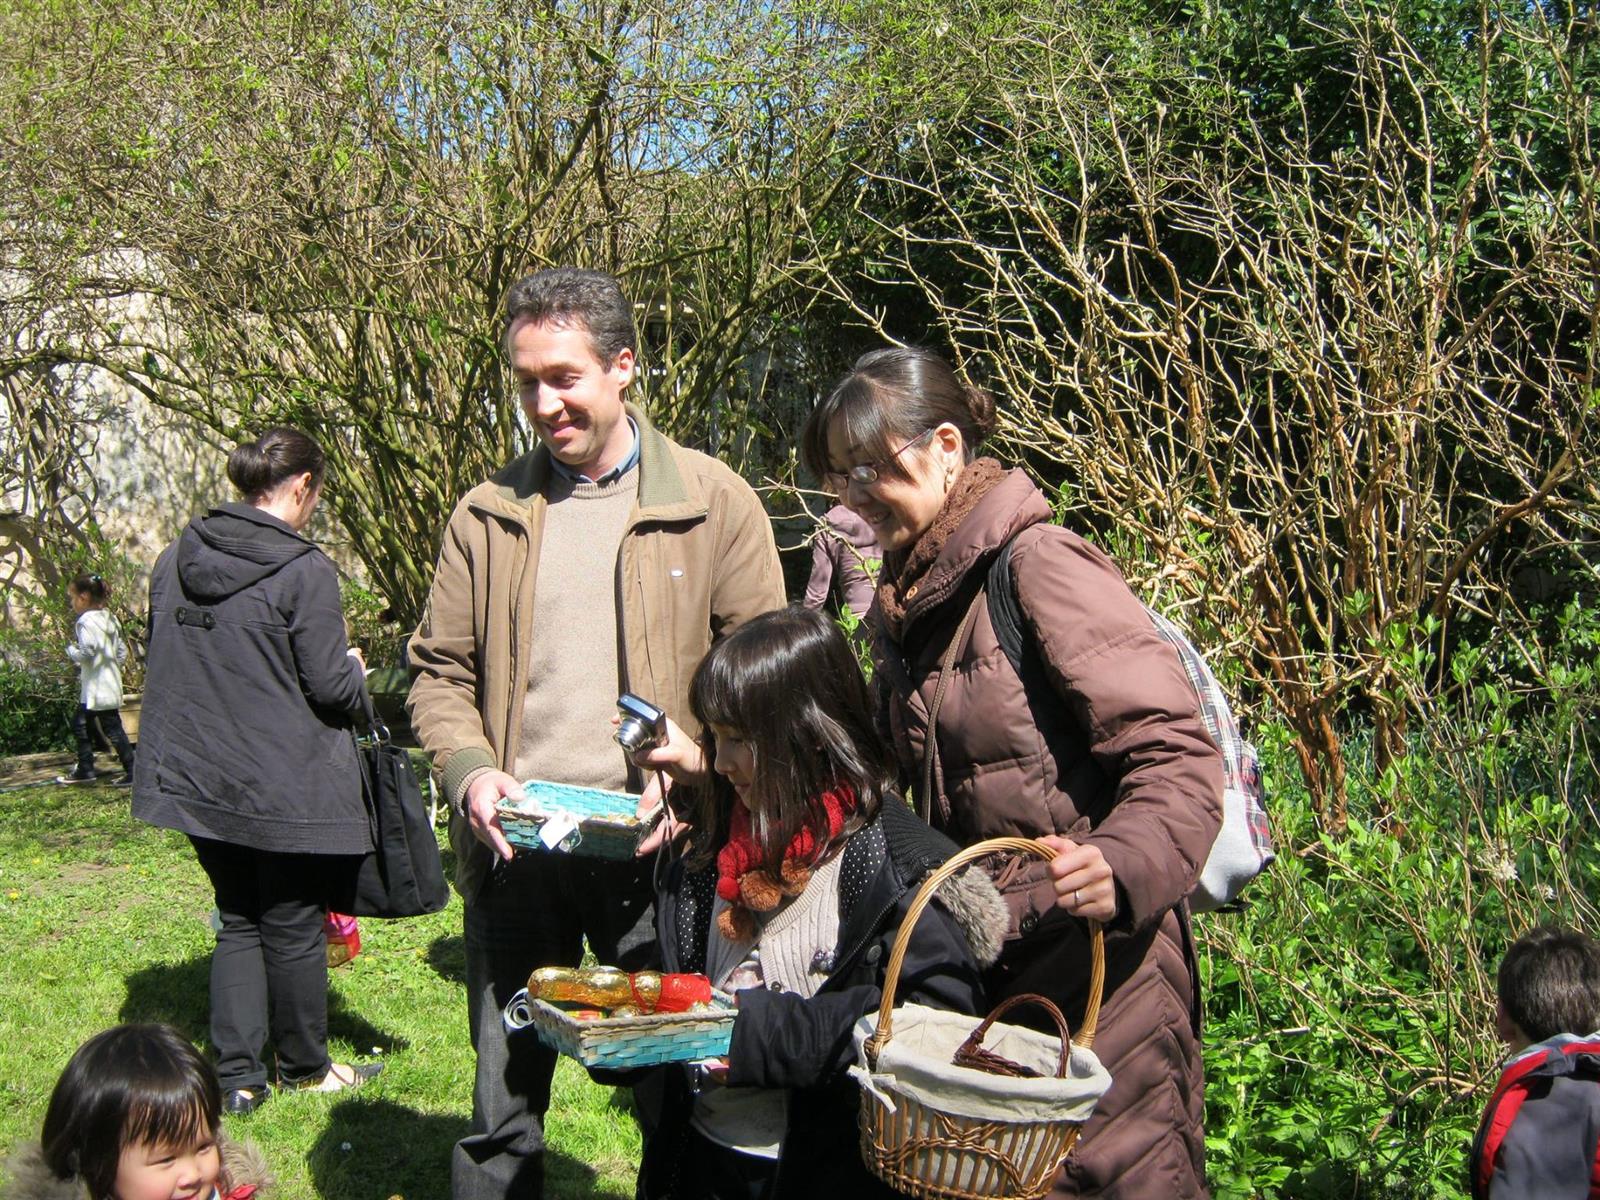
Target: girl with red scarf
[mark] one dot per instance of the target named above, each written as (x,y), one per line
(788,889)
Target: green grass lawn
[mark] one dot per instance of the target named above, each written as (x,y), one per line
(103,919)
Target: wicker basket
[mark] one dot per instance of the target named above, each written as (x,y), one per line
(927,1150)
(608,828)
(622,1042)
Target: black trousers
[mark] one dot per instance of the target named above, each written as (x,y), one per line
(534,911)
(269,971)
(110,722)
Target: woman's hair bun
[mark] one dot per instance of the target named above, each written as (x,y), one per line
(249,469)
(981,404)
(280,453)
(897,392)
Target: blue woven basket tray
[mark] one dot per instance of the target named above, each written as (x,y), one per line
(620,1042)
(608,829)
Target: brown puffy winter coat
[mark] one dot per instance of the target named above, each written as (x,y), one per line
(1108,749)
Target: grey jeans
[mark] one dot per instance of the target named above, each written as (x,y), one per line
(534,911)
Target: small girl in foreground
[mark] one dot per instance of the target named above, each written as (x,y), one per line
(136,1115)
(98,649)
(798,867)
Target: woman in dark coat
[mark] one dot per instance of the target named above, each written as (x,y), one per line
(246,747)
(1103,752)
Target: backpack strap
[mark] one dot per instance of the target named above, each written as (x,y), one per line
(1497,1117)
(1005,611)
(1012,631)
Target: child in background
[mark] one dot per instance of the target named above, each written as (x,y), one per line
(136,1115)
(799,865)
(1540,1134)
(99,651)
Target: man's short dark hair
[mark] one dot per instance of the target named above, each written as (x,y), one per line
(1550,982)
(575,296)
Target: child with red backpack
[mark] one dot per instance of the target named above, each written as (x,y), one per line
(1541,1131)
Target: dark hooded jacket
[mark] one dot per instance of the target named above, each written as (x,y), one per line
(246,726)
(781,1040)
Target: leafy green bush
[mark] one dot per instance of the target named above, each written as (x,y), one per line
(1350,1040)
(369,624)
(35,708)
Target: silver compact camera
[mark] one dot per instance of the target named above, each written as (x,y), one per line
(643,725)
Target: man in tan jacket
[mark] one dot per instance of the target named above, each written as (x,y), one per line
(607,560)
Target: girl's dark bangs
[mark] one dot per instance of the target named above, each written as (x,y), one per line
(172,1116)
(714,698)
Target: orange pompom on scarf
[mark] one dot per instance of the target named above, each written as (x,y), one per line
(749,887)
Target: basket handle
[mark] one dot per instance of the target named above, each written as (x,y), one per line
(897,955)
(975,1038)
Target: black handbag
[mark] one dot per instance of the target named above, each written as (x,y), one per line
(403,875)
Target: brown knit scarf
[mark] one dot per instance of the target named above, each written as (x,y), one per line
(902,569)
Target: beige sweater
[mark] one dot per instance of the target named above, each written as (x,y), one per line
(574,668)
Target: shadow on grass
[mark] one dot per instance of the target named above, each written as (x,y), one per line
(567,1176)
(179,994)
(447,955)
(398,1151)
(393,1151)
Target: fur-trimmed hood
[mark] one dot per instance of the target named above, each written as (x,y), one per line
(969,895)
(980,910)
(28,1178)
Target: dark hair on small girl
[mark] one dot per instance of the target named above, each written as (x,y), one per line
(897,393)
(128,1086)
(278,454)
(790,684)
(90,585)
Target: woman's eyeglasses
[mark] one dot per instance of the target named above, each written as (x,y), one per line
(869,473)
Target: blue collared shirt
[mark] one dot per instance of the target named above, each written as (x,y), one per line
(629,461)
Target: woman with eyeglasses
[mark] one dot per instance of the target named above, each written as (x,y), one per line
(1098,747)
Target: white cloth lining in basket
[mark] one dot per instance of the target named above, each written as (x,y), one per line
(916,1062)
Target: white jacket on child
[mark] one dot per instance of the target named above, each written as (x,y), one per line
(99,653)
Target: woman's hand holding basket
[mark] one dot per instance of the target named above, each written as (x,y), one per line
(1084,883)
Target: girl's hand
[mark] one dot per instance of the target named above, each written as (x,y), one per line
(679,756)
(668,827)
(1084,884)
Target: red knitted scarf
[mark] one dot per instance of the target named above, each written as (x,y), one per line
(749,887)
